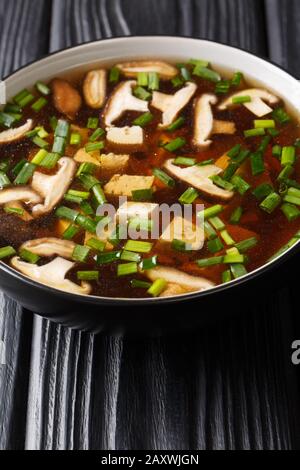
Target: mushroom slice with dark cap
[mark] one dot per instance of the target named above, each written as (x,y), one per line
(17,133)
(163,69)
(50,246)
(257,104)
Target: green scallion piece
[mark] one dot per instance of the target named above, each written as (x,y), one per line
(176,124)
(281,116)
(107,258)
(23,98)
(43,88)
(141,93)
(99,194)
(127,269)
(241,157)
(96,244)
(4,180)
(66,213)
(175,144)
(271,202)
(233,258)
(211,212)
(80,253)
(236,216)
(288,156)
(50,160)
(43,144)
(91,147)
(291,183)
(92,123)
(226,276)
(53,122)
(206,74)
(199,62)
(14,210)
(264,144)
(149,263)
(273,132)
(114,75)
(227,238)
(12,108)
(153,81)
(25,174)
(86,208)
(262,191)
(240,184)
(257,163)
(206,162)
(4,165)
(28,256)
(184,161)
(189,196)
(232,153)
(217,223)
(157,287)
(85,222)
(222,87)
(184,71)
(70,232)
(207,262)
(246,245)
(140,224)
(62,128)
(215,245)
(230,171)
(142,195)
(254,132)
(75,138)
(277,151)
(97,134)
(177,81)
(237,78)
(238,270)
(130,256)
(88,275)
(6,120)
(138,246)
(285,173)
(264,123)
(290,211)
(164,177)
(38,158)
(209,231)
(59,145)
(218,181)
(86,168)
(7,251)
(241,99)
(180,245)
(136,283)
(142,79)
(39,104)
(143,120)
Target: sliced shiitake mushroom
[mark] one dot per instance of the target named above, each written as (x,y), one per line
(66,98)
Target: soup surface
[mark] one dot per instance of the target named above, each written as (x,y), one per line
(222,152)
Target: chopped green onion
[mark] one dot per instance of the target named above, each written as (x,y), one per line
(14,210)
(86,223)
(206,162)
(210,233)
(206,74)
(285,173)
(257,163)
(4,180)
(59,145)
(99,194)
(153,81)
(43,88)
(292,183)
(126,269)
(86,208)
(288,156)
(180,245)
(185,73)
(53,122)
(236,215)
(254,132)
(290,211)
(80,253)
(230,171)
(75,138)
(92,123)
(40,142)
(222,183)
(241,99)
(142,195)
(184,161)
(227,238)
(70,232)
(4,165)
(130,256)
(148,263)
(91,147)
(271,202)
(88,181)
(142,79)
(177,81)
(226,276)
(118,234)
(40,155)
(277,151)
(16,169)
(50,160)
(163,177)
(246,245)
(138,246)
(7,251)
(237,78)
(143,120)
(86,168)
(6,119)
(176,124)
(264,123)
(28,256)
(240,184)
(233,258)
(215,245)
(157,287)
(95,244)
(96,134)
(262,191)
(23,98)
(136,283)
(88,275)
(114,75)
(12,108)
(25,174)
(217,223)
(238,270)
(211,211)
(106,258)
(207,262)
(62,128)
(140,224)
(141,93)
(199,62)
(281,116)
(232,153)
(189,196)
(264,144)
(273,132)
(39,104)
(222,87)
(242,156)
(286,247)
(66,213)
(175,144)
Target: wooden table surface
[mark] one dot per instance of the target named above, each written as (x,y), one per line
(229,386)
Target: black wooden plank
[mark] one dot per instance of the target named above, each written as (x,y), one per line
(23,37)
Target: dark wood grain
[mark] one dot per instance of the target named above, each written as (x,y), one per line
(229,386)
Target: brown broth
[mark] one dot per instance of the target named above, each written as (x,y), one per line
(273,231)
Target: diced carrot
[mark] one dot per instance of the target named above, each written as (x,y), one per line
(223,161)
